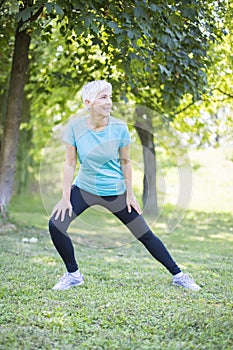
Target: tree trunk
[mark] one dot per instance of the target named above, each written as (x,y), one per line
(3,98)
(24,160)
(12,121)
(143,128)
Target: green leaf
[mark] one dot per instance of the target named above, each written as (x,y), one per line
(121,37)
(24,15)
(112,24)
(130,34)
(164,38)
(79,29)
(87,22)
(59,10)
(175,19)
(49,7)
(115,27)
(155,8)
(190,13)
(18,17)
(117,30)
(139,12)
(94,27)
(164,69)
(170,32)
(172,43)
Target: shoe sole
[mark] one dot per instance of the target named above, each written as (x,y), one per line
(180,285)
(72,285)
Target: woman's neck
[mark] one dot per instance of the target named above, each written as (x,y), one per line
(97,122)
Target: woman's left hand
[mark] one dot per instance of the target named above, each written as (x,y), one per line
(131,201)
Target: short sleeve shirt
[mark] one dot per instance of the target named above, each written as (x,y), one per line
(100,171)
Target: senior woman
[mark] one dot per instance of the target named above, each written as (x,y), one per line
(102,145)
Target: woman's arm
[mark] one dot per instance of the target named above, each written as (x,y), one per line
(127,172)
(68,174)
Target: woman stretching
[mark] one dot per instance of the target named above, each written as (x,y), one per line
(101,143)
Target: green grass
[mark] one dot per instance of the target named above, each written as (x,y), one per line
(127,301)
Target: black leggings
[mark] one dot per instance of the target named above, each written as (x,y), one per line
(81,200)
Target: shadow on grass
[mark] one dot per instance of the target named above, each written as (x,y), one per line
(100,229)
(208,225)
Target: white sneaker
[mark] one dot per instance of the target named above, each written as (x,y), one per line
(68,280)
(185,281)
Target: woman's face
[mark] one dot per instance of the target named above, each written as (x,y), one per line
(103,103)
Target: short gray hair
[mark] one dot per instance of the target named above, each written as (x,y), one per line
(92,89)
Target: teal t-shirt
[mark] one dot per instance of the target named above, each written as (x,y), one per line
(100,171)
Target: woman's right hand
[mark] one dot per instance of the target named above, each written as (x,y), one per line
(61,207)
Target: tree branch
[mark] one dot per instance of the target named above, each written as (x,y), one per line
(32,18)
(2,2)
(37,14)
(223,92)
(186,107)
(192,103)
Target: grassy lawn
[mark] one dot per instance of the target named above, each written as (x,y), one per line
(127,301)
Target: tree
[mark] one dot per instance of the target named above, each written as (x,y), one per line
(183,36)
(158,58)
(208,121)
(13,113)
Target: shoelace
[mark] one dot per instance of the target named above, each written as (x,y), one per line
(187,277)
(64,278)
